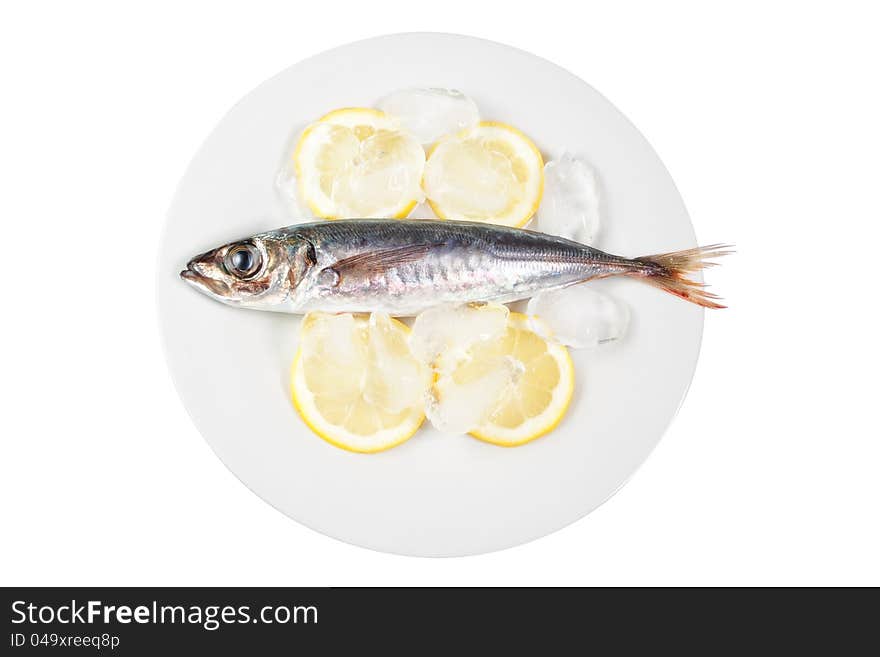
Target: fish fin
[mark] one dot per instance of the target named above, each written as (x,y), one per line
(374,262)
(304,258)
(667,271)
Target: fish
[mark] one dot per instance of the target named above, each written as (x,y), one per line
(404,267)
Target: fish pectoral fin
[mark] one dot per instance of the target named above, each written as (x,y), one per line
(375,262)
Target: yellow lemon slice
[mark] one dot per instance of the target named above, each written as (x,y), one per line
(355,383)
(355,162)
(535,399)
(491,172)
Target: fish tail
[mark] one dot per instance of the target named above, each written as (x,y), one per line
(668,271)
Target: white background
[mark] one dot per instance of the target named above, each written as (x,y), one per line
(766,114)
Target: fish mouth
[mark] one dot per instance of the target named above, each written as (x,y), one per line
(189,276)
(202,283)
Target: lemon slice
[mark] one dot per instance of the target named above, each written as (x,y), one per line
(491,172)
(355,162)
(355,383)
(534,400)
(363,121)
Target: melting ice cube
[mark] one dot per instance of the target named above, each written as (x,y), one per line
(458,408)
(398,380)
(431,113)
(570,206)
(578,316)
(446,329)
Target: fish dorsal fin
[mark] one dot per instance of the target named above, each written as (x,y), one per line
(376,262)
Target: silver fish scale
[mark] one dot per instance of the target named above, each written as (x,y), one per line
(460,262)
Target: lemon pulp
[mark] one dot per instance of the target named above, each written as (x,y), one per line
(491,172)
(537,399)
(355,383)
(355,162)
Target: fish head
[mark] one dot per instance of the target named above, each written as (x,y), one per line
(258,272)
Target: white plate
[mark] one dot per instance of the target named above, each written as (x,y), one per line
(434,495)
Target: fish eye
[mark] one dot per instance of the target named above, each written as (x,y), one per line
(243,260)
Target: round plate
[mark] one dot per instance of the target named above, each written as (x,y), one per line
(434,495)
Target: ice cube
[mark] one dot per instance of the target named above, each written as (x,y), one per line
(288,194)
(334,339)
(397,381)
(431,113)
(373,190)
(578,316)
(422,212)
(459,408)
(451,329)
(386,170)
(570,205)
(470,179)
